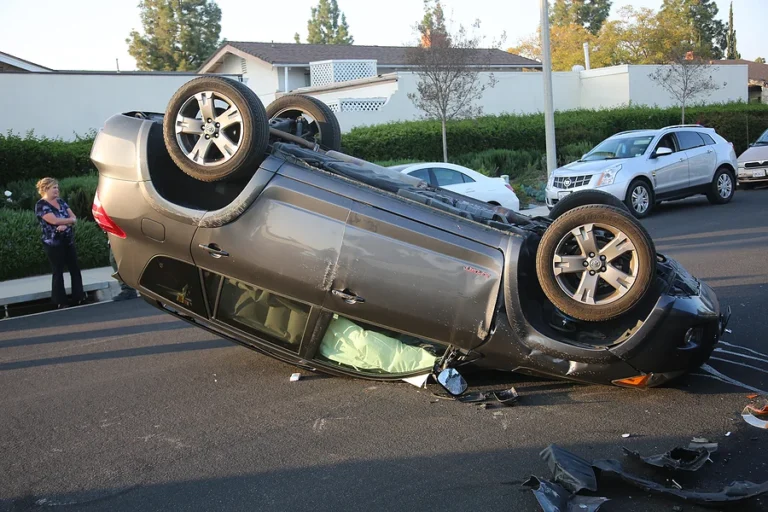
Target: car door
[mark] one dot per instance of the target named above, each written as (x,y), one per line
(669,172)
(413,278)
(286,243)
(454,181)
(701,157)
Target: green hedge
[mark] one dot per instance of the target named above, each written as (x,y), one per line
(77,191)
(740,123)
(21,251)
(32,158)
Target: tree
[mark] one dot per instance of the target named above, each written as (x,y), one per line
(705,34)
(732,53)
(590,14)
(324,26)
(448,71)
(432,26)
(686,78)
(760,60)
(179,35)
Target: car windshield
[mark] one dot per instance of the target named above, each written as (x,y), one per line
(622,147)
(763,139)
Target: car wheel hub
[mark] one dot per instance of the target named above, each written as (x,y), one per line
(595,264)
(724,186)
(640,199)
(209,128)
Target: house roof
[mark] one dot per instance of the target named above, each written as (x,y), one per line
(756,71)
(7,58)
(303,54)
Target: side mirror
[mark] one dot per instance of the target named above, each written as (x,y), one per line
(661,152)
(584,156)
(452,381)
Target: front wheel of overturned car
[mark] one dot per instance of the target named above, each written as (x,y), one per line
(307,118)
(595,262)
(215,128)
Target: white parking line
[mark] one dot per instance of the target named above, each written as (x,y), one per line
(742,348)
(738,364)
(714,374)
(730,352)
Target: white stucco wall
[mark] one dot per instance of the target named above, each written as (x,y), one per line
(604,87)
(732,80)
(64,104)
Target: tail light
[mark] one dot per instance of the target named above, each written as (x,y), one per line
(103,220)
(510,188)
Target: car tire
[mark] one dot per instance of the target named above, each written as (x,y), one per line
(723,187)
(326,132)
(586,292)
(232,150)
(584,197)
(640,198)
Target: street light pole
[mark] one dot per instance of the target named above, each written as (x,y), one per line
(549,109)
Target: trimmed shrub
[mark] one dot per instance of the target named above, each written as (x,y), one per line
(31,158)
(740,123)
(21,251)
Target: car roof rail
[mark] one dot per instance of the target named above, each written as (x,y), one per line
(634,131)
(684,126)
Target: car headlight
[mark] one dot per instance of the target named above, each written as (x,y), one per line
(608,176)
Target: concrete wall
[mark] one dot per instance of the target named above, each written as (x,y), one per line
(732,80)
(65,104)
(605,87)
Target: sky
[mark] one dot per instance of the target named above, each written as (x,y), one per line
(90,34)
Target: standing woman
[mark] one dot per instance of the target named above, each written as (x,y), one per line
(57,222)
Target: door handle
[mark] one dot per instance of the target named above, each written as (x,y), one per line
(348,297)
(214,250)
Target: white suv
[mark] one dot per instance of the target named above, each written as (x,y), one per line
(645,167)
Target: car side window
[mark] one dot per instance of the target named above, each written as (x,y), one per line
(446,177)
(277,319)
(175,281)
(466,178)
(709,141)
(667,141)
(422,174)
(689,140)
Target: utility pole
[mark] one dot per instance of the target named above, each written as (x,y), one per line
(549,109)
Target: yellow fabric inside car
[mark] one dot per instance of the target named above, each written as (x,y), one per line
(347,343)
(265,312)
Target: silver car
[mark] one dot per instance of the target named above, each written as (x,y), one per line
(753,163)
(644,167)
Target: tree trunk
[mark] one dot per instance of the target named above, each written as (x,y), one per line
(445,143)
(683,112)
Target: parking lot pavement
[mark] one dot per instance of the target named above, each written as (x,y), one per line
(119,407)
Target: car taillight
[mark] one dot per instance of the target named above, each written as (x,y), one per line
(510,187)
(103,220)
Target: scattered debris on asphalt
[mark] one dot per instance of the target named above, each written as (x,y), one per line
(736,491)
(756,417)
(702,442)
(420,381)
(295,377)
(752,396)
(683,459)
(554,498)
(625,436)
(569,470)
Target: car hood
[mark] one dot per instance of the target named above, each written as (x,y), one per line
(755,153)
(577,168)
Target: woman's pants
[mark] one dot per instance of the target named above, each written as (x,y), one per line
(62,256)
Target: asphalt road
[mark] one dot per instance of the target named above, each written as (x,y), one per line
(118,407)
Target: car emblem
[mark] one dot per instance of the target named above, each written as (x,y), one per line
(567,182)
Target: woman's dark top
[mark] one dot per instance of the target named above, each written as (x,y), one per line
(50,235)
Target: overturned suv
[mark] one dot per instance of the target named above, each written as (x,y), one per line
(250,223)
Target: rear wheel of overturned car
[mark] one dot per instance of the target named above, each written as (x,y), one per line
(595,262)
(307,118)
(584,197)
(216,128)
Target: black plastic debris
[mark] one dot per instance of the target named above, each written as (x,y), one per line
(701,442)
(681,459)
(491,399)
(554,498)
(506,396)
(736,491)
(569,470)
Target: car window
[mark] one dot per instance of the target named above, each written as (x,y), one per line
(446,177)
(689,140)
(176,281)
(667,141)
(422,174)
(617,148)
(466,178)
(763,139)
(275,318)
(709,141)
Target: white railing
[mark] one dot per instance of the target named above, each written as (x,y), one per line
(357,104)
(333,71)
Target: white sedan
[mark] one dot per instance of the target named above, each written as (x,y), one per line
(464,181)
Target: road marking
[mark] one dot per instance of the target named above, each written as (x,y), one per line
(723,351)
(742,348)
(739,364)
(714,374)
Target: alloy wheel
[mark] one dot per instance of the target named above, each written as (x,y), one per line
(640,199)
(724,185)
(209,128)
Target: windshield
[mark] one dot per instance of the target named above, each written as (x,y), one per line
(623,147)
(763,139)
